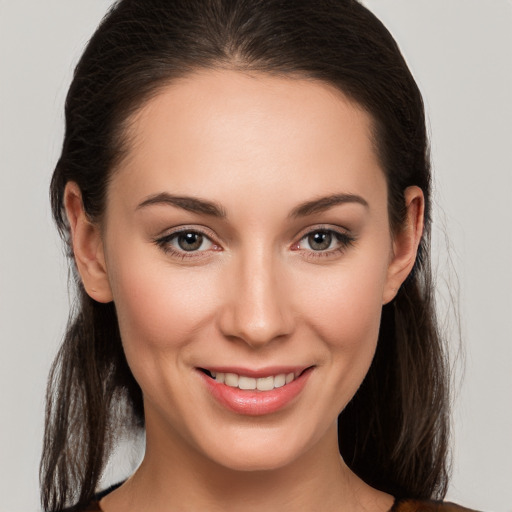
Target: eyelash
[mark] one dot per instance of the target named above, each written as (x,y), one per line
(164,243)
(344,240)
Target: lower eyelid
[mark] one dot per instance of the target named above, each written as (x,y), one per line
(329,253)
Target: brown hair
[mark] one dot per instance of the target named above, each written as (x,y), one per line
(394,432)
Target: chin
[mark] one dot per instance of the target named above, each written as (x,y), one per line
(261,451)
(248,461)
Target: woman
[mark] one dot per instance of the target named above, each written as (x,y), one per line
(244,188)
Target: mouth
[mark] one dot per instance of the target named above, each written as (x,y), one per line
(251,383)
(255,393)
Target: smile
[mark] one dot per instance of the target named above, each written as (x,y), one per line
(255,392)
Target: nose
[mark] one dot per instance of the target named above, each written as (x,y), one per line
(257,308)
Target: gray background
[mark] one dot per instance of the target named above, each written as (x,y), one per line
(461,54)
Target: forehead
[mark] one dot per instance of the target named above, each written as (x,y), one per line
(234,133)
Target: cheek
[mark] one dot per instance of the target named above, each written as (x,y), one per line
(159,308)
(349,325)
(345,314)
(346,309)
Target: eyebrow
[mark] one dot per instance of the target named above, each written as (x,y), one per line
(324,203)
(196,205)
(191,204)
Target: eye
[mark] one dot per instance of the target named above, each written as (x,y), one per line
(191,241)
(320,240)
(186,241)
(324,242)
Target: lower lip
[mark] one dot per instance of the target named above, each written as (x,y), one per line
(256,403)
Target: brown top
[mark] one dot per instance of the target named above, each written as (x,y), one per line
(427,506)
(399,506)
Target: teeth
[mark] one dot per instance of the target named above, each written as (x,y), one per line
(265,383)
(279,380)
(250,383)
(246,382)
(231,379)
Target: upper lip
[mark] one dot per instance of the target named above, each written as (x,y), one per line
(257,372)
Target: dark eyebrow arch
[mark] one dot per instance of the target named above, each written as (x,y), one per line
(324,203)
(191,204)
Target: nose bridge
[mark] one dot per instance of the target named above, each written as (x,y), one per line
(257,310)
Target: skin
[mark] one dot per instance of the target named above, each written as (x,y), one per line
(256,294)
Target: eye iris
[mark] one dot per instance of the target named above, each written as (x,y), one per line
(320,240)
(190,241)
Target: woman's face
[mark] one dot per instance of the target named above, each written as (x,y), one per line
(246,240)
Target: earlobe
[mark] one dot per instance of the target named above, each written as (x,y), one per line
(405,243)
(87,246)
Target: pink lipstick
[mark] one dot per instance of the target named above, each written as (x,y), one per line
(255,392)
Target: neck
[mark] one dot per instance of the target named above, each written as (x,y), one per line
(172,477)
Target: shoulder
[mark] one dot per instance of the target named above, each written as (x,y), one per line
(427,506)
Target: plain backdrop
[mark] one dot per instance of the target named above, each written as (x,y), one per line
(460,51)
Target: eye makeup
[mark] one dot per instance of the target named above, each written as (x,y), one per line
(187,242)
(324,242)
(193,242)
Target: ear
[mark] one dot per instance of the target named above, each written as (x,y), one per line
(405,243)
(87,246)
